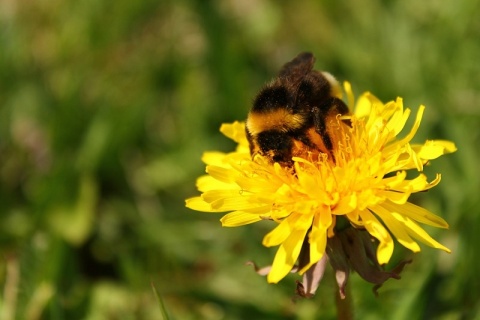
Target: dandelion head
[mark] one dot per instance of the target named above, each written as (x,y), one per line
(328,206)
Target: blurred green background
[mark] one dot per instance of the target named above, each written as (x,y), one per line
(106,108)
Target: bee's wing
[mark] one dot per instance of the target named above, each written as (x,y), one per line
(296,69)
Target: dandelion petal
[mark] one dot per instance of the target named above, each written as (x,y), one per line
(239,218)
(286,256)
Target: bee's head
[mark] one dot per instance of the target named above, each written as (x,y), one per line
(271,121)
(275,145)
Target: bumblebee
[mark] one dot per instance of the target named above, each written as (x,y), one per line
(290,115)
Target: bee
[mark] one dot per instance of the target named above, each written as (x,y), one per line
(290,115)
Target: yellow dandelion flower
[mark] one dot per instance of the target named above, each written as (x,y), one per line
(366,184)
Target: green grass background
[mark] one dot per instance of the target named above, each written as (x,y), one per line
(106,108)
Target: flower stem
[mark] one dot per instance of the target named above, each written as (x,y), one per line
(345,305)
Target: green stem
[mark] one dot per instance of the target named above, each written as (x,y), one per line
(345,305)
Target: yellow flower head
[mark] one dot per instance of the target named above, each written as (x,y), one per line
(364,180)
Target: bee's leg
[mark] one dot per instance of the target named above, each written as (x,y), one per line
(331,107)
(321,128)
(339,107)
